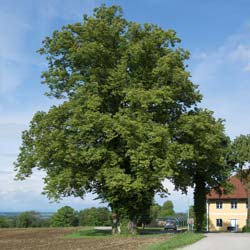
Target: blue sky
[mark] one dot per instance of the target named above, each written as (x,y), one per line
(216,32)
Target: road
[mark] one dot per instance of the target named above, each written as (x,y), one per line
(222,241)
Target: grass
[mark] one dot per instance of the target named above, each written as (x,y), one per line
(89,233)
(177,241)
(174,241)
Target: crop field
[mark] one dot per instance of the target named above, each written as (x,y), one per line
(54,239)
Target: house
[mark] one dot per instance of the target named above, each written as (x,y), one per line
(227,212)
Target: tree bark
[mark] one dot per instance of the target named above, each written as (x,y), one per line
(199,203)
(132,228)
(115,224)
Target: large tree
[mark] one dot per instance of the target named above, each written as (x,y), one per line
(124,86)
(201,149)
(240,158)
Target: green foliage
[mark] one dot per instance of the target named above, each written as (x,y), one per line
(240,151)
(155,211)
(177,241)
(4,222)
(240,158)
(29,219)
(25,219)
(200,157)
(167,209)
(124,87)
(100,216)
(191,212)
(64,217)
(246,229)
(145,218)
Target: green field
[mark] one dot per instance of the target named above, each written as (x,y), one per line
(167,241)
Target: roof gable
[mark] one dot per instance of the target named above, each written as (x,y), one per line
(238,192)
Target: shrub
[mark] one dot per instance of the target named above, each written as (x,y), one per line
(64,217)
(95,217)
(28,219)
(246,229)
(4,222)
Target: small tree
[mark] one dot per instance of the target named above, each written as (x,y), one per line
(167,209)
(28,219)
(64,217)
(155,210)
(201,149)
(4,222)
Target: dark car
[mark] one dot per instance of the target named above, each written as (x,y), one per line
(170,225)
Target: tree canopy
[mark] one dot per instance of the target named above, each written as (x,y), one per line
(100,216)
(201,157)
(64,217)
(167,209)
(240,159)
(127,99)
(124,85)
(28,219)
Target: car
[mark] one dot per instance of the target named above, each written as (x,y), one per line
(170,225)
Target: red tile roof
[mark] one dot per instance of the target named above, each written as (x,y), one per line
(238,193)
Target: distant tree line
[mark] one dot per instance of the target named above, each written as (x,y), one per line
(64,217)
(25,219)
(68,217)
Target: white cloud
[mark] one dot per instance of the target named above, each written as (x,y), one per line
(247,67)
(26,195)
(241,53)
(28,23)
(180,201)
(223,76)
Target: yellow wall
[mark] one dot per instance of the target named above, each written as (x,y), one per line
(226,214)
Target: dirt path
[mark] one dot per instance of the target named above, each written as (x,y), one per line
(52,239)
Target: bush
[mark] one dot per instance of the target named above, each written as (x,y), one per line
(246,229)
(29,219)
(94,217)
(100,216)
(64,217)
(4,222)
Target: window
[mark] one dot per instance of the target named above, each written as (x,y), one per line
(219,222)
(234,204)
(219,204)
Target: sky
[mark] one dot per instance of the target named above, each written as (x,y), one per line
(216,32)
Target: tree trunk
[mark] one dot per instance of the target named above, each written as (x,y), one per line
(199,203)
(115,224)
(132,228)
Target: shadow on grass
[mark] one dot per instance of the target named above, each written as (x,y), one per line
(146,231)
(177,241)
(96,232)
(91,232)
